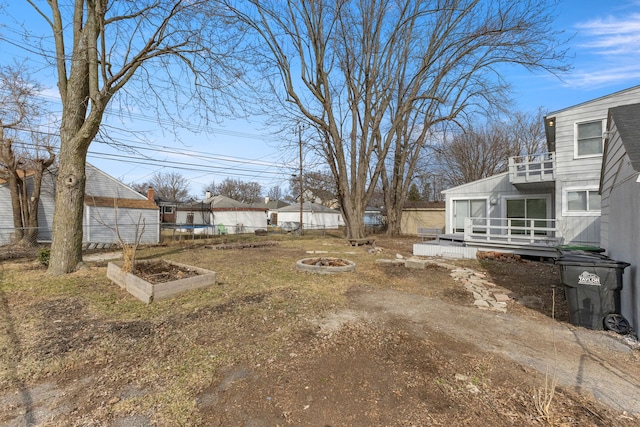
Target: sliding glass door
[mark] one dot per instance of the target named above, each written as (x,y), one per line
(467,209)
(526,210)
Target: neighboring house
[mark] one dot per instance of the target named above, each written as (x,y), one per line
(543,200)
(620,190)
(107,202)
(271,208)
(373,218)
(417,215)
(314,216)
(167,210)
(222,214)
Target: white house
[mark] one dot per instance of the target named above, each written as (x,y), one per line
(314,216)
(620,190)
(545,199)
(271,209)
(221,215)
(107,202)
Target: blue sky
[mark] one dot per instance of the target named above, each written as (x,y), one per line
(605,55)
(604,50)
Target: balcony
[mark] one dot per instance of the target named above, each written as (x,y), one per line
(532,169)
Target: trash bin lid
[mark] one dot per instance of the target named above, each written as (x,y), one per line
(589,259)
(585,248)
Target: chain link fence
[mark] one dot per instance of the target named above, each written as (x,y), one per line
(26,236)
(180,232)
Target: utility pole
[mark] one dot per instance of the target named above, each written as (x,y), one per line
(300,177)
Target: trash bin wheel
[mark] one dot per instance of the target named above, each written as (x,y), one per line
(617,323)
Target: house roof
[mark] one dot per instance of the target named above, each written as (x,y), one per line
(552,113)
(106,202)
(423,205)
(270,205)
(626,118)
(224,203)
(308,207)
(474,183)
(21,174)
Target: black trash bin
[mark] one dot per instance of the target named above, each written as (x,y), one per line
(592,284)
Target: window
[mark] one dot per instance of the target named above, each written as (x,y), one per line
(167,209)
(583,200)
(589,139)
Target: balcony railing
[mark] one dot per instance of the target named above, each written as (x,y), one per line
(512,231)
(532,168)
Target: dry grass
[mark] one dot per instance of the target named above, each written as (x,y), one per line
(158,360)
(77,324)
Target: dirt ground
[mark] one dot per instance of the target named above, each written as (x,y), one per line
(271,346)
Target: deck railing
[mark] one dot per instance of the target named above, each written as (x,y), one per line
(512,231)
(532,168)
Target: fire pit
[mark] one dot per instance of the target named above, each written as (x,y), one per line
(325,265)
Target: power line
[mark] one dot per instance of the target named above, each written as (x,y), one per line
(199,155)
(187,166)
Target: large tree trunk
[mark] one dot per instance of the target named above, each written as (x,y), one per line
(66,248)
(76,133)
(394,220)
(353,214)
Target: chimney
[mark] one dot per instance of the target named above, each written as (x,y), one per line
(207,194)
(151,194)
(266,200)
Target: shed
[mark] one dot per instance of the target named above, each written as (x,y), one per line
(421,214)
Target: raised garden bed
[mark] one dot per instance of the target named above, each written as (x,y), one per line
(143,286)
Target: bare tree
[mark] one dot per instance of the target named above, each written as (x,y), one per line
(275,193)
(318,187)
(25,154)
(242,191)
(371,77)
(527,132)
(170,186)
(165,52)
(474,153)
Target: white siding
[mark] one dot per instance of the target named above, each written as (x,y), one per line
(99,184)
(45,207)
(496,188)
(100,225)
(240,221)
(326,220)
(199,217)
(6,219)
(45,210)
(581,172)
(572,173)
